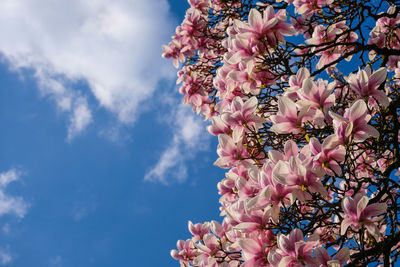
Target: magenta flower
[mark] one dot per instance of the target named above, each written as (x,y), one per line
(366,84)
(358,213)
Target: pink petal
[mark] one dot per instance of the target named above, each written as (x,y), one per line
(377,78)
(375,209)
(345,224)
(249,245)
(358,109)
(362,203)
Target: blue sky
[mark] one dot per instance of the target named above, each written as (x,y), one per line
(100,163)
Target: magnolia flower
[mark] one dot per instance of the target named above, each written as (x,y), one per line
(293,250)
(268,25)
(358,213)
(353,126)
(328,154)
(198,230)
(366,84)
(325,260)
(289,119)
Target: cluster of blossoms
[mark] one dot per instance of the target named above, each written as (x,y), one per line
(304,98)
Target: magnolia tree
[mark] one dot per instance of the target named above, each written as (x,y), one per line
(304,98)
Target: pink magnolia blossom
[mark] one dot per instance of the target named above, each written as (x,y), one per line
(325,260)
(198,230)
(290,118)
(229,152)
(299,175)
(268,25)
(309,7)
(317,94)
(358,213)
(186,251)
(328,155)
(293,251)
(366,83)
(296,82)
(353,126)
(256,248)
(242,114)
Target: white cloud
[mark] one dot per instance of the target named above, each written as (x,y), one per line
(10,204)
(5,256)
(56,262)
(113,46)
(189,138)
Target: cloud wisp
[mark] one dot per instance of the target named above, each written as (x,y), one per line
(10,204)
(189,138)
(113,47)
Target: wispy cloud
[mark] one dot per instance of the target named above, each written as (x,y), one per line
(189,138)
(55,262)
(5,256)
(10,204)
(113,47)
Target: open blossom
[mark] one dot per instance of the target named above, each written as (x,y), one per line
(354,124)
(317,94)
(358,213)
(298,174)
(186,251)
(309,7)
(290,118)
(242,114)
(366,83)
(293,250)
(174,51)
(229,151)
(256,248)
(328,155)
(325,260)
(198,230)
(267,25)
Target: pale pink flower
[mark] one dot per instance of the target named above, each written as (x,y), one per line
(309,7)
(353,126)
(229,152)
(293,250)
(328,155)
(296,82)
(198,230)
(256,248)
(366,83)
(300,177)
(186,251)
(290,118)
(268,25)
(325,260)
(242,114)
(317,94)
(358,213)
